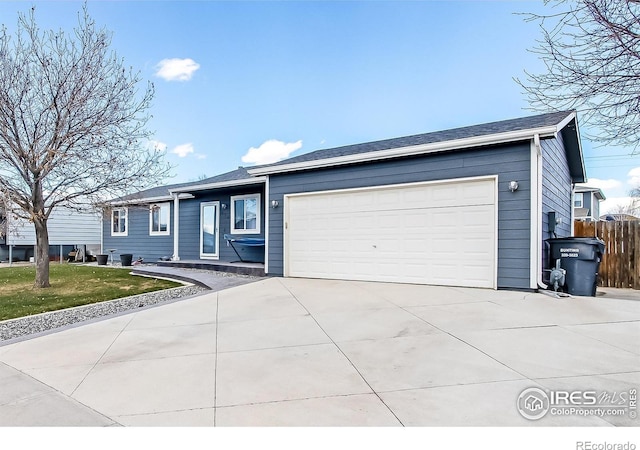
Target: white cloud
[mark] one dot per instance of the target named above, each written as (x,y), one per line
(183,150)
(270,151)
(176,69)
(603,184)
(634,177)
(157,146)
(200,156)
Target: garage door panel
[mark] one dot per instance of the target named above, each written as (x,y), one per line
(446,196)
(428,234)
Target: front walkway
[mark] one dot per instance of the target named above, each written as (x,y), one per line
(313,352)
(214,280)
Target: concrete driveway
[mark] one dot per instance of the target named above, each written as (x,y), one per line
(316,352)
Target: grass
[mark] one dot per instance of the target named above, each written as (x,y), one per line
(71,286)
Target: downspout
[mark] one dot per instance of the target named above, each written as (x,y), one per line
(102,222)
(538,207)
(176,227)
(572,219)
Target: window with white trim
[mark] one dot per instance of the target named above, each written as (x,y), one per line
(245,214)
(578,200)
(119,222)
(159,219)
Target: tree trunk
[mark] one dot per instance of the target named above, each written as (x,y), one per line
(42,237)
(42,254)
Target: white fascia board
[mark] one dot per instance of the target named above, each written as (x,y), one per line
(597,192)
(566,121)
(435,147)
(222,184)
(584,169)
(145,200)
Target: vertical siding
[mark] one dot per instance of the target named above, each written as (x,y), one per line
(65,226)
(556,190)
(595,206)
(508,162)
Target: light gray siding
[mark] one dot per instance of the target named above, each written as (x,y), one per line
(510,162)
(66,227)
(595,206)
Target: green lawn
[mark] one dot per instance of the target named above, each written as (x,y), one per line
(71,285)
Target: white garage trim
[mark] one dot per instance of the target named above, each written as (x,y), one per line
(485,207)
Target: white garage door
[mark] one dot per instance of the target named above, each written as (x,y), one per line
(428,233)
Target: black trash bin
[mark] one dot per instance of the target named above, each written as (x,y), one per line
(580,257)
(126,258)
(102,259)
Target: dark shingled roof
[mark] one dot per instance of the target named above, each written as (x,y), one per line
(161,191)
(503,126)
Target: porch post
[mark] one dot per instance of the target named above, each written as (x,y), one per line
(176,227)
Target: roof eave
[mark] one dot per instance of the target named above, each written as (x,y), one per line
(146,200)
(221,184)
(435,147)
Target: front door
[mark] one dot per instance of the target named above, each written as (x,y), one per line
(209,223)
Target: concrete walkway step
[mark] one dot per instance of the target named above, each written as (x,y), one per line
(209,279)
(240,268)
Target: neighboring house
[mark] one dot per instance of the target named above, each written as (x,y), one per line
(586,203)
(68,229)
(619,217)
(462,207)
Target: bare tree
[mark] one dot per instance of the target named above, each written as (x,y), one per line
(630,209)
(73,124)
(591,50)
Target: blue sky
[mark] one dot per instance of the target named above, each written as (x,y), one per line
(239,83)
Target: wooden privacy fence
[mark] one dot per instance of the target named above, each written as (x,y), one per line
(620,266)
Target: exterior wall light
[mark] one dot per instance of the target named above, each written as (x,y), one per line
(274,203)
(223,206)
(513,186)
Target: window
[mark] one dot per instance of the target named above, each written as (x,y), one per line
(119,222)
(159,219)
(245,214)
(578,200)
